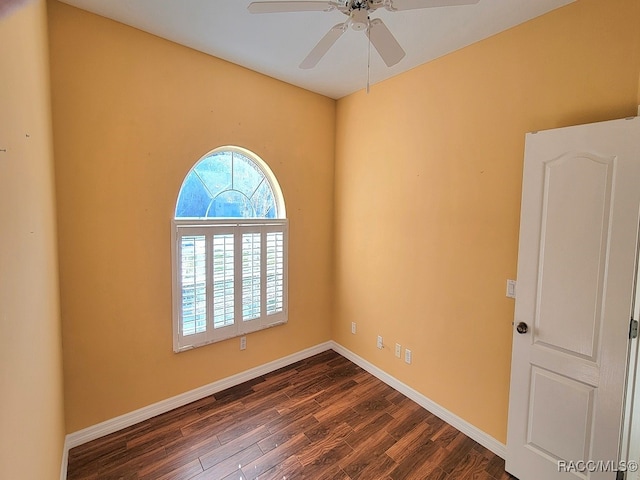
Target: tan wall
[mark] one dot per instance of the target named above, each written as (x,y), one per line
(427,199)
(31,386)
(132,114)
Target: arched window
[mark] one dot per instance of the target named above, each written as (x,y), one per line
(230,183)
(230,250)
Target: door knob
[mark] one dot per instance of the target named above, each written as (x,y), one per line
(522,328)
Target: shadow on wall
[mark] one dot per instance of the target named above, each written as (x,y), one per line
(7,6)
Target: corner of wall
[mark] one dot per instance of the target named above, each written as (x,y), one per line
(31,347)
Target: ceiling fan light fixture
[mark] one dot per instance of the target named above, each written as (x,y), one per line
(359,20)
(357,12)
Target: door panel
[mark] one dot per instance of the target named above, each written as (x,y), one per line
(576,263)
(574,237)
(574,409)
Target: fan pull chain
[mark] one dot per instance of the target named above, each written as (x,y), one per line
(368,57)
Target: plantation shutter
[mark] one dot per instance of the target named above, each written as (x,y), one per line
(194,284)
(251,276)
(275,272)
(232,279)
(223,283)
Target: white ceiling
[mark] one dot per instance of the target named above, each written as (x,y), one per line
(275,44)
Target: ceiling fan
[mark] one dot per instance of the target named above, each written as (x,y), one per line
(358,12)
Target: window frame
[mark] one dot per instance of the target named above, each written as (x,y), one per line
(209,228)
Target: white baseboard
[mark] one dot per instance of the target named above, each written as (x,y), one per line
(65,461)
(118,423)
(452,419)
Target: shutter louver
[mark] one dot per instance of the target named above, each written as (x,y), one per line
(223,280)
(251,243)
(275,272)
(194,284)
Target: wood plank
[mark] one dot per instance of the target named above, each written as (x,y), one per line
(274,457)
(172,471)
(235,462)
(221,453)
(289,468)
(288,432)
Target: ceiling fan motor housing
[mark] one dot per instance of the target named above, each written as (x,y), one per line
(359,19)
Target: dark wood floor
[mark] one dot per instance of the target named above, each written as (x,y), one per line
(321,418)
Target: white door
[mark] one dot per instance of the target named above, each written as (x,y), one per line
(576,265)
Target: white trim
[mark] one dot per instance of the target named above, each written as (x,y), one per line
(65,459)
(113,425)
(118,423)
(452,419)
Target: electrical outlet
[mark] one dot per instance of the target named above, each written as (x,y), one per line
(407,356)
(353,328)
(243,343)
(398,350)
(379,343)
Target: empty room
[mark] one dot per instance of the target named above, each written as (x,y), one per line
(234,245)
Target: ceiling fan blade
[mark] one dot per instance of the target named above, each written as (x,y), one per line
(384,42)
(323,46)
(290,6)
(398,5)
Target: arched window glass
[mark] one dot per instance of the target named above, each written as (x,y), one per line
(230,250)
(228,183)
